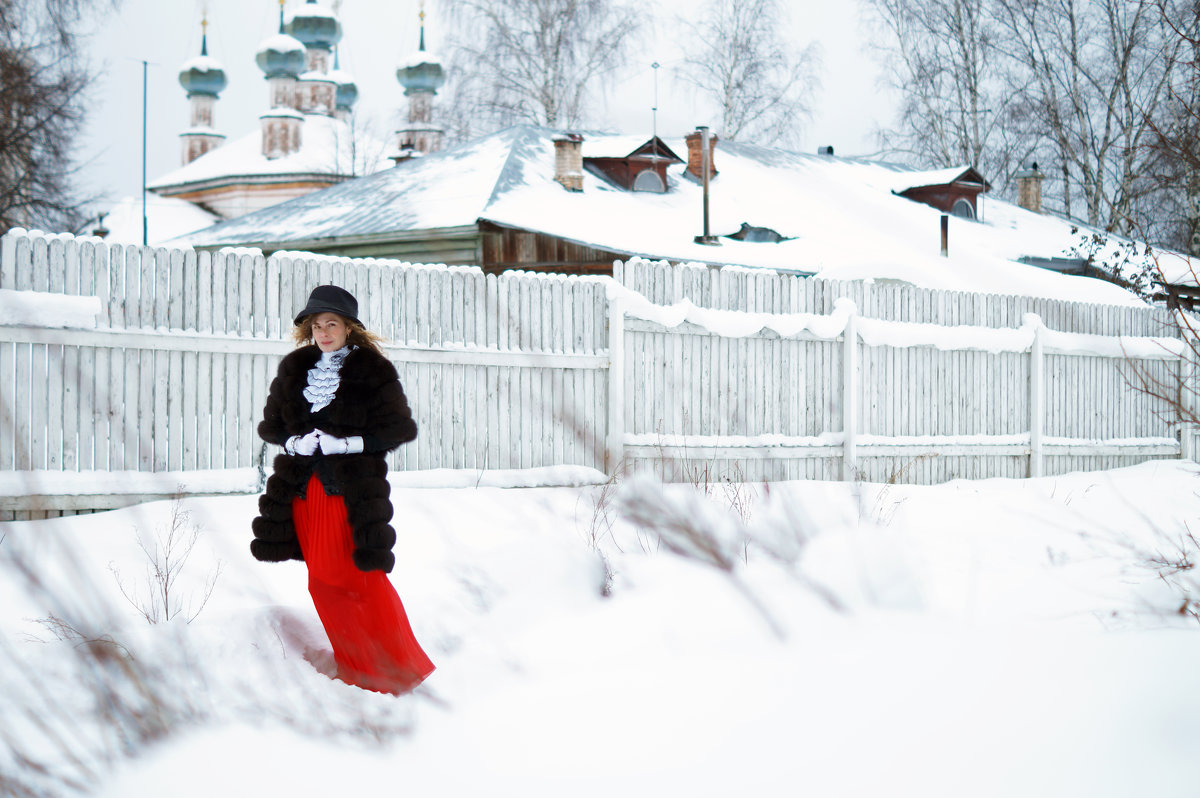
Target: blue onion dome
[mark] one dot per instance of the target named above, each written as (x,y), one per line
(421,71)
(347,91)
(281,56)
(203,75)
(315,26)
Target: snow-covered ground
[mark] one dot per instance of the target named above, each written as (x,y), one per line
(992,638)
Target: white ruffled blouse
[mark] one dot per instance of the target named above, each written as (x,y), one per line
(324,378)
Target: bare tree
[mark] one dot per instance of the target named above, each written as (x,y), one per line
(955,105)
(42,78)
(358,147)
(1078,85)
(1175,143)
(1094,74)
(761,84)
(536,61)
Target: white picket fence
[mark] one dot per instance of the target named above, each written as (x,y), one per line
(932,386)
(524,370)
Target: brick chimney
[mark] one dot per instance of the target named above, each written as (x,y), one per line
(696,157)
(1029,188)
(568,161)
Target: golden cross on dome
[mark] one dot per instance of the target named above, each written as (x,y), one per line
(204,28)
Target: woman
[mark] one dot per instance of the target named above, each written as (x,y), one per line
(337,408)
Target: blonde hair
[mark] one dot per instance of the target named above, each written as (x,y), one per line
(357,335)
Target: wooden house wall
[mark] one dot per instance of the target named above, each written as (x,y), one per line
(450,250)
(942,197)
(624,171)
(504,248)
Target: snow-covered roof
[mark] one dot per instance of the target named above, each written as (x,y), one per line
(327,146)
(201,131)
(841,217)
(618,146)
(166,218)
(904,181)
(443,189)
(1178,269)
(312,76)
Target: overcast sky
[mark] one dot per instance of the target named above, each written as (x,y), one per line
(378,34)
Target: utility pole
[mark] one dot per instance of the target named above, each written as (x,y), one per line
(145,223)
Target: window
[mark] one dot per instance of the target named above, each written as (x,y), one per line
(963,209)
(648,180)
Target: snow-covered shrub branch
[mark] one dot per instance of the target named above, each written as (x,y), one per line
(720,537)
(694,530)
(99,685)
(1173,558)
(167,552)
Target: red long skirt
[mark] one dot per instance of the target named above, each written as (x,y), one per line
(373,644)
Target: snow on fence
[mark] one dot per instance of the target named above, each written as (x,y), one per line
(157,361)
(502,372)
(764,291)
(711,393)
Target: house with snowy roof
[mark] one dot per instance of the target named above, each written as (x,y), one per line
(535,198)
(306,140)
(538,199)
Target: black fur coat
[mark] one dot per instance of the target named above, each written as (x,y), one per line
(369,402)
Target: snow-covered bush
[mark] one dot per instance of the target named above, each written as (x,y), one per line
(159,596)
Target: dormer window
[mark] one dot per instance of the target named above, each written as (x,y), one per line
(648,180)
(952,191)
(644,169)
(963,209)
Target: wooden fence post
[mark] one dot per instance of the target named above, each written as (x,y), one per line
(614,450)
(8,260)
(1188,384)
(1037,397)
(1192,358)
(850,387)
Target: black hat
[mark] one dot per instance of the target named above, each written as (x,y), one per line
(331,299)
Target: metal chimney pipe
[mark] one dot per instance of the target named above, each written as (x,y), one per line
(705,169)
(945,236)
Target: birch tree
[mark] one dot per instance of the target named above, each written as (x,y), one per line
(1176,133)
(1078,85)
(955,106)
(760,83)
(532,61)
(1096,74)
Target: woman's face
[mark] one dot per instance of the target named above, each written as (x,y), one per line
(329,331)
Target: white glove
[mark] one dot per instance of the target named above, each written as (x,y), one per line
(331,444)
(305,445)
